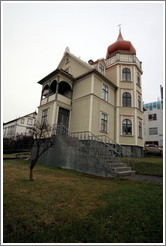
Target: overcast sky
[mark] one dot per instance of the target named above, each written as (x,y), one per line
(35,35)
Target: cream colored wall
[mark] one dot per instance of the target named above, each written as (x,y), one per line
(80,115)
(111,74)
(48,106)
(76,68)
(82,87)
(98,83)
(100,106)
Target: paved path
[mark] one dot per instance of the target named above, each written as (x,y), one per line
(146,178)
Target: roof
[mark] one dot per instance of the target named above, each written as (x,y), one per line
(120,44)
(98,74)
(19,118)
(55,72)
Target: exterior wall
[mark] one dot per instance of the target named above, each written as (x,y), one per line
(111,74)
(75,67)
(158,123)
(48,106)
(133,113)
(98,83)
(82,88)
(80,115)
(100,106)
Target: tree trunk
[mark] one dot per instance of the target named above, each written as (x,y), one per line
(31,174)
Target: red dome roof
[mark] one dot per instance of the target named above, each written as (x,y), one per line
(120,44)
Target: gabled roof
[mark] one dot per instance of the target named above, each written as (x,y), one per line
(55,72)
(67,52)
(19,118)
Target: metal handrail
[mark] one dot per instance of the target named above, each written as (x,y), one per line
(114,142)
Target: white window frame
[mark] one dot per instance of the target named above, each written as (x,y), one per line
(101,68)
(44,118)
(105,92)
(107,120)
(29,121)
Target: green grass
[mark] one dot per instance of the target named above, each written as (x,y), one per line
(64,206)
(149,165)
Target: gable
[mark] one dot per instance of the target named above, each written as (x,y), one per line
(73,65)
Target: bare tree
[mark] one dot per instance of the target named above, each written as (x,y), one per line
(42,142)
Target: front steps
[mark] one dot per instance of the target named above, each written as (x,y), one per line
(89,150)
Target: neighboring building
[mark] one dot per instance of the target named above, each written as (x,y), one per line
(103,97)
(21,126)
(153,123)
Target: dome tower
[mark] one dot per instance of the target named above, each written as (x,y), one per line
(120,45)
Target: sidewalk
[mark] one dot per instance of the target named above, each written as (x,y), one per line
(146,178)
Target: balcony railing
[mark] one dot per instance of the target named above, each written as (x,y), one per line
(60,98)
(124,58)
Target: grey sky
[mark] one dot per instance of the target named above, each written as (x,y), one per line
(35,35)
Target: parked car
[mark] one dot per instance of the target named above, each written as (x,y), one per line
(153,149)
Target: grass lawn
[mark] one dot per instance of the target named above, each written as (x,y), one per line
(149,165)
(64,206)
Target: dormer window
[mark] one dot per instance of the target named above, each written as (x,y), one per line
(101,68)
(67,60)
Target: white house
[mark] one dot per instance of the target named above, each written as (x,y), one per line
(153,123)
(21,126)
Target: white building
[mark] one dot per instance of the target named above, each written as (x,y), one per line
(21,126)
(153,123)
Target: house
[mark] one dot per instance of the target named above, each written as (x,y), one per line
(153,122)
(103,97)
(20,126)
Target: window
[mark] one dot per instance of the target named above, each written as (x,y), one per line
(44,117)
(29,121)
(152,117)
(104,122)
(67,70)
(153,131)
(140,129)
(127,127)
(126,99)
(101,68)
(126,74)
(138,80)
(22,121)
(154,105)
(158,105)
(139,102)
(105,92)
(67,60)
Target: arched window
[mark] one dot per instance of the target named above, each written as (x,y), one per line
(140,129)
(126,99)
(45,91)
(65,89)
(53,87)
(138,79)
(127,127)
(126,74)
(139,102)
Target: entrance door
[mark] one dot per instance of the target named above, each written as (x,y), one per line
(63,117)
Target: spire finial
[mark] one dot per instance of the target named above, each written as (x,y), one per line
(119,28)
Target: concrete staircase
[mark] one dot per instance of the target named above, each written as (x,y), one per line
(104,153)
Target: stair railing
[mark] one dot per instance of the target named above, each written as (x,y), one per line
(126,154)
